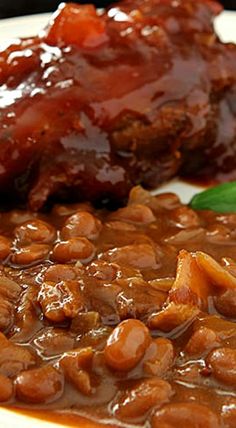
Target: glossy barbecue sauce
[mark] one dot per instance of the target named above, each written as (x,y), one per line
(123,317)
(102,100)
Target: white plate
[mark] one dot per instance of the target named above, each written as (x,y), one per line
(28,26)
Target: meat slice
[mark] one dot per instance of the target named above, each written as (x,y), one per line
(102,100)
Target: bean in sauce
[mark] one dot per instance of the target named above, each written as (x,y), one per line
(125,316)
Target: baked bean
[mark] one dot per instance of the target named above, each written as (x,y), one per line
(74,365)
(41,385)
(73,249)
(168,201)
(121,225)
(222,362)
(9,292)
(229,219)
(138,195)
(5,247)
(103,270)
(139,256)
(224,328)
(201,341)
(4,341)
(80,224)
(138,400)
(35,231)
(159,357)
(185,217)
(226,303)
(14,358)
(228,413)
(126,345)
(9,289)
(61,300)
(6,388)
(217,233)
(27,318)
(19,216)
(6,314)
(186,415)
(57,273)
(31,254)
(69,209)
(135,213)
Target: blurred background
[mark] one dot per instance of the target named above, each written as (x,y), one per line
(10,8)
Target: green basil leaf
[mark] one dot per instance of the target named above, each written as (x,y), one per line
(221,198)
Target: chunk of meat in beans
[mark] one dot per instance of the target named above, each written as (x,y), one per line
(85,322)
(30,254)
(61,300)
(138,400)
(26,317)
(191,415)
(137,299)
(126,345)
(73,249)
(41,385)
(222,362)
(76,365)
(53,341)
(35,231)
(80,224)
(159,357)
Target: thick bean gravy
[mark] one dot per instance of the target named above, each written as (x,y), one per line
(125,317)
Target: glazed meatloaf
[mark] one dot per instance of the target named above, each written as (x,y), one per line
(102,100)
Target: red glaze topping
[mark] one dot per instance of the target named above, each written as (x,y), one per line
(106,99)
